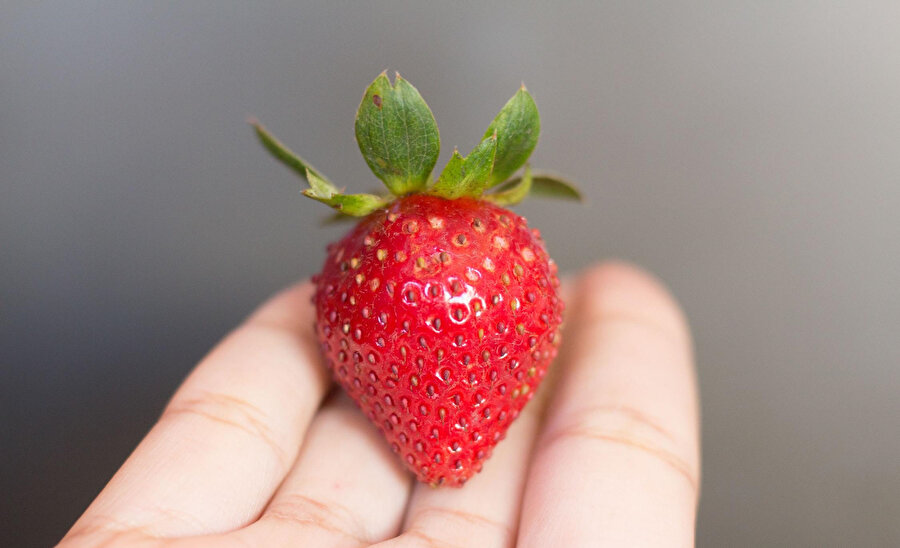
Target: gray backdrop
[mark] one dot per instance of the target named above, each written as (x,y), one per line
(748,153)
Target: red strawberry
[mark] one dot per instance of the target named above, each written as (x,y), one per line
(438,313)
(439,317)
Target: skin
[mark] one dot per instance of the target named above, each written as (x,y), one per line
(255,449)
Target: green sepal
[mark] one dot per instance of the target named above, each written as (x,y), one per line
(513,191)
(397,134)
(517,127)
(288,157)
(541,185)
(467,176)
(355,205)
(548,185)
(320,188)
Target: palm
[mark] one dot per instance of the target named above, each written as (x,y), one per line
(247,453)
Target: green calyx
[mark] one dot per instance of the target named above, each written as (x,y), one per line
(399,140)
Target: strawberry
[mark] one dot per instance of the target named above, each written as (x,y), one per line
(438,312)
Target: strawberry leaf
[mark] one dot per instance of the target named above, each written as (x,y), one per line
(542,185)
(355,205)
(287,157)
(554,186)
(517,127)
(320,188)
(514,191)
(397,134)
(399,140)
(467,176)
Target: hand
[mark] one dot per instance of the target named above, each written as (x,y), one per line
(247,453)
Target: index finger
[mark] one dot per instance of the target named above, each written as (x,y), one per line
(227,438)
(617,462)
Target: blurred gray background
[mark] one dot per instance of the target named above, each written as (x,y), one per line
(747,154)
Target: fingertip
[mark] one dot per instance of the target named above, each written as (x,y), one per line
(617,286)
(290,308)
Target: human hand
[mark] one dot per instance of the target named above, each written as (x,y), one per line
(248,454)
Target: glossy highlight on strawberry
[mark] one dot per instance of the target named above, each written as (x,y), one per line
(438,313)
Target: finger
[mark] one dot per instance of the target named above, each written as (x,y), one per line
(227,438)
(617,460)
(346,489)
(485,511)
